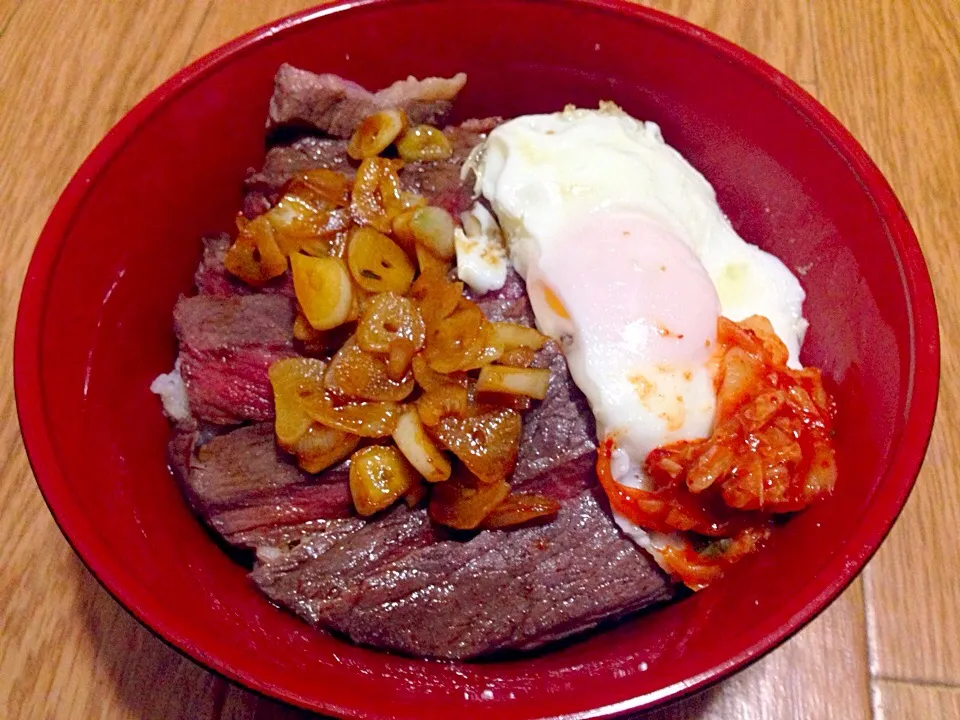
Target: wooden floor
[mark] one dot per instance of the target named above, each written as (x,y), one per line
(889,69)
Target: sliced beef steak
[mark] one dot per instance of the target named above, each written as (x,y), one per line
(558,447)
(206,323)
(249,490)
(438,181)
(335,106)
(286,160)
(508,304)
(232,469)
(180,451)
(398,583)
(227,344)
(211,277)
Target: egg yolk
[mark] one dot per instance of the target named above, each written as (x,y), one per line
(638,316)
(627,281)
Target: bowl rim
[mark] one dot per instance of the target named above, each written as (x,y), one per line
(834,576)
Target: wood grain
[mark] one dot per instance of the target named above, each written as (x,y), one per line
(779,32)
(7,10)
(895,83)
(902,700)
(68,649)
(225,19)
(890,72)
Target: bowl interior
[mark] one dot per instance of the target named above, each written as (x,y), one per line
(125,241)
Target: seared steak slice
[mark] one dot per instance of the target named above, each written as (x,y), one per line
(247,489)
(398,583)
(319,498)
(558,446)
(318,571)
(285,161)
(180,451)
(232,469)
(227,345)
(559,435)
(207,324)
(508,304)
(211,277)
(322,101)
(438,181)
(335,106)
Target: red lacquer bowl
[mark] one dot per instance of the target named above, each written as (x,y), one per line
(95,327)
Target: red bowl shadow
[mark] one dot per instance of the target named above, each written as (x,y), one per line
(94,328)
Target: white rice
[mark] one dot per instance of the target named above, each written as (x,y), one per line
(173,393)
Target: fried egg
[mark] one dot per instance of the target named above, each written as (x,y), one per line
(628,261)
